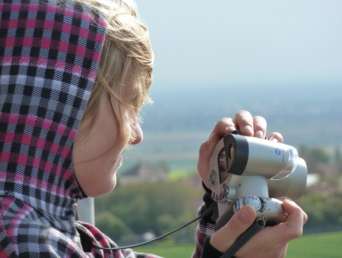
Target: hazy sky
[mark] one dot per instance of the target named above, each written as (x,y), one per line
(246,42)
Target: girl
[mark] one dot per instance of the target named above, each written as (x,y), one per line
(73,77)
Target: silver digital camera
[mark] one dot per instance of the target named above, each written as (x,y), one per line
(252,171)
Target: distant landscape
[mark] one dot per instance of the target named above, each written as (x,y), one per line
(182,117)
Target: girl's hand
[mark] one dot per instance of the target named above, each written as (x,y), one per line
(245,123)
(272,241)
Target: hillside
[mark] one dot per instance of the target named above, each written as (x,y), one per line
(182,117)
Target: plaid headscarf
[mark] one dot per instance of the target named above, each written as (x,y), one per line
(49,53)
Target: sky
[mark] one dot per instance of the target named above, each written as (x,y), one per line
(245,42)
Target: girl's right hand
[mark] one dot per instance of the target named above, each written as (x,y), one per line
(270,242)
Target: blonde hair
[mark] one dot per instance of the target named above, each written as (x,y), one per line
(125,68)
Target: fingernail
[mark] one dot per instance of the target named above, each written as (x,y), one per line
(271,139)
(259,134)
(247,129)
(229,129)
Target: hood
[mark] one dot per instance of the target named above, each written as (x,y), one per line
(49,54)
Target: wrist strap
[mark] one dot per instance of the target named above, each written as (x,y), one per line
(244,238)
(210,251)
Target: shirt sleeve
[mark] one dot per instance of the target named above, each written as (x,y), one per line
(206,225)
(90,235)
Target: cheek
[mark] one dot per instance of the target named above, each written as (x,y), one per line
(97,152)
(95,166)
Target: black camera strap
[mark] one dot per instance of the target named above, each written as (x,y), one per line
(258,225)
(207,212)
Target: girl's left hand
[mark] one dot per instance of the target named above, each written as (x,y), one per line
(245,123)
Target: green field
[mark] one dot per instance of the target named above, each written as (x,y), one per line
(328,245)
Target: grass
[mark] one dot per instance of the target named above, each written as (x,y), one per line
(327,245)
(178,174)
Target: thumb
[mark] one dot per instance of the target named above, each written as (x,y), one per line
(239,223)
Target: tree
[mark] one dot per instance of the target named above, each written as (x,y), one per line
(114,227)
(149,207)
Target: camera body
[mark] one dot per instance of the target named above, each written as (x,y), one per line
(252,171)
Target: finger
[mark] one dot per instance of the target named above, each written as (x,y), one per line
(293,227)
(222,127)
(225,126)
(292,203)
(276,137)
(306,217)
(283,252)
(260,126)
(239,223)
(244,123)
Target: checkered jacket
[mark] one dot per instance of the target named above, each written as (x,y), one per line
(49,53)
(207,225)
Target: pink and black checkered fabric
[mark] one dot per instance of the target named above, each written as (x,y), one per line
(49,54)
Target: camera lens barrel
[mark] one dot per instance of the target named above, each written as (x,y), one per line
(250,156)
(269,209)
